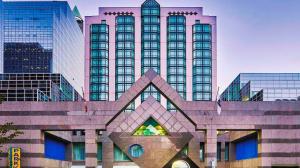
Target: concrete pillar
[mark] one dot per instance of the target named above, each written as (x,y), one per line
(210,147)
(232,152)
(194,151)
(223,151)
(108,151)
(90,149)
(263,161)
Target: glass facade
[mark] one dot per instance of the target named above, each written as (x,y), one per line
(99,151)
(202,62)
(150,128)
(176,55)
(36,87)
(42,37)
(171,41)
(136,151)
(99,68)
(1,35)
(202,151)
(150,43)
(119,155)
(219,151)
(78,151)
(263,87)
(28,38)
(26,58)
(226,158)
(125,43)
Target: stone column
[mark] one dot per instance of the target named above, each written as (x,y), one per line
(223,151)
(90,149)
(107,150)
(194,151)
(264,148)
(210,147)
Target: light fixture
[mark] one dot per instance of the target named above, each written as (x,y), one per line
(180,164)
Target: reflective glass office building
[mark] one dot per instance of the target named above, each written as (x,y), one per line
(36,87)
(1,32)
(121,44)
(42,37)
(263,87)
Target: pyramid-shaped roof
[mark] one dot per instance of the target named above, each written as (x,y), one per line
(150,3)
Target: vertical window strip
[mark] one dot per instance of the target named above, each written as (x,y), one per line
(99,67)
(202,62)
(150,44)
(176,55)
(125,57)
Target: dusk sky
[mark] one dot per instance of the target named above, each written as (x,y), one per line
(253,35)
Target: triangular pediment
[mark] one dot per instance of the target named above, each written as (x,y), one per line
(150,78)
(171,122)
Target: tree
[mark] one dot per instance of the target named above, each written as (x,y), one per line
(7,131)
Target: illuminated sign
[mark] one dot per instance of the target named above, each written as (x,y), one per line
(14,157)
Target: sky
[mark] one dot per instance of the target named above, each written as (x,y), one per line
(252,35)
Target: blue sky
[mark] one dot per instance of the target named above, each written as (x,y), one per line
(253,35)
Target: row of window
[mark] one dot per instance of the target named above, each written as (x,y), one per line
(119,155)
(151,49)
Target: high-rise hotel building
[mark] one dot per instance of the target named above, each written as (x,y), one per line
(122,43)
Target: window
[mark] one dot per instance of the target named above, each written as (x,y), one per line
(202,151)
(150,128)
(99,151)
(119,155)
(185,150)
(226,158)
(136,150)
(78,151)
(219,151)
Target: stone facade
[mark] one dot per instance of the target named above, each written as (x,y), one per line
(277,125)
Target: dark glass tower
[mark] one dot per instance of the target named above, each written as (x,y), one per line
(41,38)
